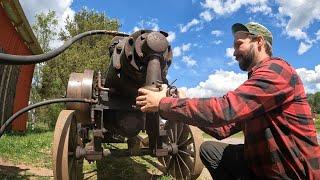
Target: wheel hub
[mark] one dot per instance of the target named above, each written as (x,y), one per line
(173,148)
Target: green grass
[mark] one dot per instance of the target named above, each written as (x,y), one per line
(33,148)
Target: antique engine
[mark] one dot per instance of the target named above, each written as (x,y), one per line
(101,109)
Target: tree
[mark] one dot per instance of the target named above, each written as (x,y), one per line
(89,53)
(314,101)
(45,31)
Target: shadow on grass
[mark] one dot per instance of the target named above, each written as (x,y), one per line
(124,168)
(13,172)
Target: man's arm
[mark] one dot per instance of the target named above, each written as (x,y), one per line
(268,88)
(223,131)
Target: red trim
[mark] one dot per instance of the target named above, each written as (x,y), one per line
(12,43)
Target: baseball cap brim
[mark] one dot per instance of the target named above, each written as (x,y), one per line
(239,27)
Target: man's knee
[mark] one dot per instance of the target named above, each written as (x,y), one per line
(211,152)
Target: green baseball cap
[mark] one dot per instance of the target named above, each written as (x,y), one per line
(253,28)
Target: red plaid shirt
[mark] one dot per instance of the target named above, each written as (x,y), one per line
(271,109)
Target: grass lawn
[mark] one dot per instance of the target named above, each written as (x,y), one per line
(34,149)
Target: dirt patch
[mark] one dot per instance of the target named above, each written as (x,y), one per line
(22,169)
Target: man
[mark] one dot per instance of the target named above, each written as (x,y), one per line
(270,108)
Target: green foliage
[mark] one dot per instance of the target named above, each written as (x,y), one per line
(314,101)
(89,53)
(45,29)
(52,77)
(317,122)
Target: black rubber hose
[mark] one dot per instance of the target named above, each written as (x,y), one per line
(32,59)
(51,101)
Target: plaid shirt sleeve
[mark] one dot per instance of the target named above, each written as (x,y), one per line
(280,135)
(264,91)
(223,131)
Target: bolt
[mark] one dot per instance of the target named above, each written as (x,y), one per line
(130,41)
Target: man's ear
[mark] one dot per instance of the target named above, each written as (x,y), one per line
(260,41)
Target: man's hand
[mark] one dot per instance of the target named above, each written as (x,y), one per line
(149,100)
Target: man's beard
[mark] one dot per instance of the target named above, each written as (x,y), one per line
(246,60)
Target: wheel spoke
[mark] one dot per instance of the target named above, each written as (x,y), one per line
(184,163)
(179,167)
(186,142)
(169,163)
(171,136)
(164,162)
(175,132)
(174,168)
(180,132)
(187,152)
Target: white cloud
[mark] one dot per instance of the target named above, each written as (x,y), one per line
(310,78)
(189,61)
(293,16)
(217,84)
(297,16)
(176,51)
(229,55)
(298,34)
(301,12)
(179,50)
(190,24)
(264,9)
(230,6)
(206,15)
(150,23)
(61,7)
(220,82)
(175,66)
(171,37)
(217,33)
(185,47)
(217,42)
(304,47)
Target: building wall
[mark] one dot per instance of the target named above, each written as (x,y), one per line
(15,81)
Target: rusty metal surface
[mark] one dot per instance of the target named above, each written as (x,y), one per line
(140,60)
(183,161)
(80,86)
(65,141)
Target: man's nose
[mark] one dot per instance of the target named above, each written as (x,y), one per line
(235,52)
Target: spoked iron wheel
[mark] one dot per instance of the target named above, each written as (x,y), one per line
(65,141)
(183,161)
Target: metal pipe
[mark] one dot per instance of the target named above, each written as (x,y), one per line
(51,101)
(32,59)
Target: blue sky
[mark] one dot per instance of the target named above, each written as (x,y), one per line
(201,37)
